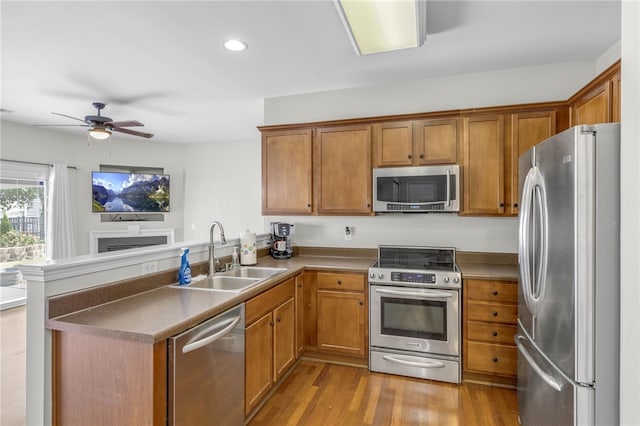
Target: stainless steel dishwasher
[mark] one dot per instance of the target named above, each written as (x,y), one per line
(206,372)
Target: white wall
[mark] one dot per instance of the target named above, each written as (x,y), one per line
(503,87)
(630,220)
(223,183)
(28,143)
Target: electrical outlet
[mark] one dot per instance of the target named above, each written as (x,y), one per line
(348,233)
(149,267)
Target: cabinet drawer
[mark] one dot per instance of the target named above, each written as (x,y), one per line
(351,282)
(491,333)
(489,358)
(492,312)
(492,291)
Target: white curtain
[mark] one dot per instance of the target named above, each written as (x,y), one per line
(59,239)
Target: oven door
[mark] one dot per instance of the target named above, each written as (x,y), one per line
(415,319)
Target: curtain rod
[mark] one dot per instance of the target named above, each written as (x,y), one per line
(39,164)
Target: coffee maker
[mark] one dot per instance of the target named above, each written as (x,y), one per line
(282,240)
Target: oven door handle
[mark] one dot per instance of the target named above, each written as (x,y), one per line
(430,364)
(432,294)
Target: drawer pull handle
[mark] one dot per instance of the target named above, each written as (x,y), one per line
(495,292)
(494,359)
(495,333)
(494,313)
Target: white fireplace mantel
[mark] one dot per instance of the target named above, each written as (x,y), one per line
(131,231)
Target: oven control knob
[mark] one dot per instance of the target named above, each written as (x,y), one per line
(445,279)
(456,280)
(380,275)
(372,274)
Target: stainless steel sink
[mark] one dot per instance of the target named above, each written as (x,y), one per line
(253,272)
(224,283)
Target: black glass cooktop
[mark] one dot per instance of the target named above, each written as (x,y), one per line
(421,258)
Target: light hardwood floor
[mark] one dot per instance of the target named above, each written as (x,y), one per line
(327,394)
(12,366)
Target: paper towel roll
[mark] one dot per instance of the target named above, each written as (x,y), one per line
(248,248)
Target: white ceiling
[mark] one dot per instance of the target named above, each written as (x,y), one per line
(162,62)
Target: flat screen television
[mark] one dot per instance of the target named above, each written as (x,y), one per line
(129,192)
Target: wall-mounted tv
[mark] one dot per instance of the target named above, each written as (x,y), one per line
(130,192)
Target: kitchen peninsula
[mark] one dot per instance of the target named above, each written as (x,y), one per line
(99,320)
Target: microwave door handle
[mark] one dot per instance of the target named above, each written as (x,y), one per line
(448,189)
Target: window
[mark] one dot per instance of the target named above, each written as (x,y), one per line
(23,213)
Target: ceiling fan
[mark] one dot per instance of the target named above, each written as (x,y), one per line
(100,126)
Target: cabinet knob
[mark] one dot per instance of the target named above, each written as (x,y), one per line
(515,204)
(339,282)
(494,313)
(409,156)
(308,204)
(494,334)
(421,156)
(271,323)
(501,204)
(494,359)
(495,292)
(361,303)
(299,285)
(279,319)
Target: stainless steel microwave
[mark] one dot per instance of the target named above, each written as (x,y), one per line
(416,189)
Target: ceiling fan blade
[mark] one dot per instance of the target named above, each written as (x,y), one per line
(132,132)
(61,125)
(130,123)
(68,116)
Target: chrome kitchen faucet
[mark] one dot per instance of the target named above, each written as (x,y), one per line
(214,263)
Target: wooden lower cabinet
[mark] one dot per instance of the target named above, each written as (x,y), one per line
(490,312)
(342,313)
(269,341)
(104,380)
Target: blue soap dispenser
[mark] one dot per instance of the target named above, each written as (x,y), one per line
(184,273)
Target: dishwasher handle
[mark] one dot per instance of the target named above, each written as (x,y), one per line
(213,337)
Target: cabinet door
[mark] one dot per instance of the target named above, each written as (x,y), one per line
(435,141)
(527,129)
(286,172)
(594,107)
(393,144)
(483,168)
(258,360)
(615,98)
(283,338)
(341,322)
(299,300)
(343,170)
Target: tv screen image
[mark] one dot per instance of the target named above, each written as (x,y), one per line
(130,192)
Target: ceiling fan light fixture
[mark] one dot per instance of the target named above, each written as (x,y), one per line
(99,133)
(376,26)
(235,45)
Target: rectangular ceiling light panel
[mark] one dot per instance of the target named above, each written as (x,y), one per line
(382,25)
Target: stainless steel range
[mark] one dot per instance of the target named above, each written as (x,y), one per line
(414,313)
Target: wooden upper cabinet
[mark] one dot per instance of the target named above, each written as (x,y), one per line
(286,172)
(342,170)
(615,98)
(598,101)
(483,164)
(415,143)
(435,141)
(526,130)
(594,107)
(393,143)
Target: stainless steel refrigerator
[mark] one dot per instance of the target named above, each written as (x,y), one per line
(568,252)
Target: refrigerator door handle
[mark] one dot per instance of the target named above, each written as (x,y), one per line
(548,379)
(533,197)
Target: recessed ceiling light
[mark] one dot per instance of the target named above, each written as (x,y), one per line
(235,45)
